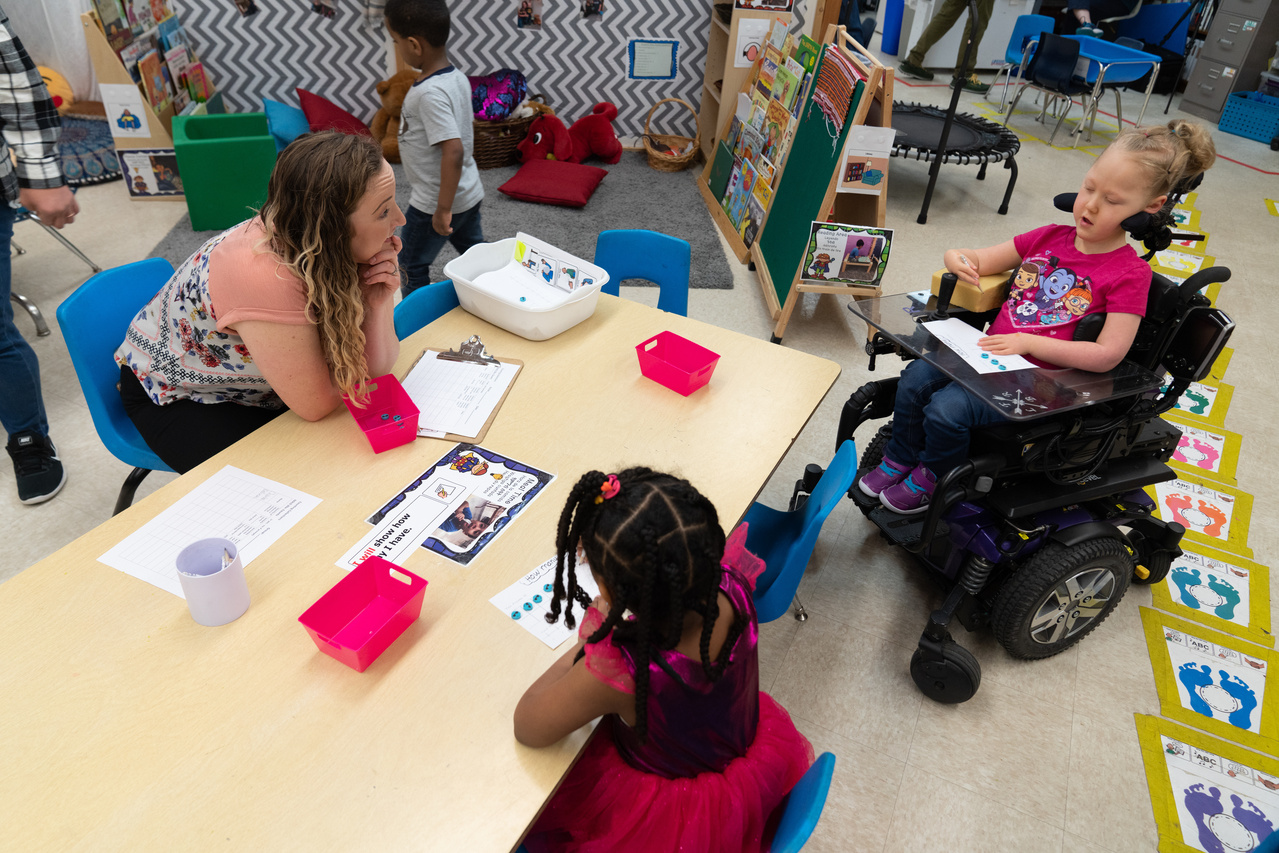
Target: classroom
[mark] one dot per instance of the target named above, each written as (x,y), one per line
(702,237)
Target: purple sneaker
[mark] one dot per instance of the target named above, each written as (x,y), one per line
(912,495)
(886,473)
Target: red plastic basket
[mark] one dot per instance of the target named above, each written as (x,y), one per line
(389,417)
(364,612)
(676,362)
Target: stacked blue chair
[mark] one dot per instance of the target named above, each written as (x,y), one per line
(785,540)
(650,256)
(1021,44)
(1052,71)
(423,306)
(93,322)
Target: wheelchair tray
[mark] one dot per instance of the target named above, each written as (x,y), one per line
(1018,395)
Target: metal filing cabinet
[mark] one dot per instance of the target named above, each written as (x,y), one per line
(1237,49)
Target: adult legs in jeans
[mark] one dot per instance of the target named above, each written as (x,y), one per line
(933,418)
(21,404)
(422,243)
(941,23)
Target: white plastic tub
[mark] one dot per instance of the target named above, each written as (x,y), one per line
(494,286)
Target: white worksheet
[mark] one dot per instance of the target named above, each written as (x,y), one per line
(962,339)
(456,396)
(249,510)
(528,601)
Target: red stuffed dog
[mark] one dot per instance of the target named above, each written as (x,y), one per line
(590,135)
(593,135)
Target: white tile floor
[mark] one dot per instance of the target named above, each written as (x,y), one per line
(1045,757)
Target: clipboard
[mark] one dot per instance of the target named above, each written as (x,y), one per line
(470,352)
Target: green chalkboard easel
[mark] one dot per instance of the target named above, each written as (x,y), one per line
(806,188)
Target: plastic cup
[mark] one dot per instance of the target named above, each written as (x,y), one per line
(215,594)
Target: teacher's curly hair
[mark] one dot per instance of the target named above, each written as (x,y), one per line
(317,183)
(656,544)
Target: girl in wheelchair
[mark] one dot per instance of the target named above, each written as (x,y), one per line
(1081,269)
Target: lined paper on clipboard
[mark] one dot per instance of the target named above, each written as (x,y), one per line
(458,399)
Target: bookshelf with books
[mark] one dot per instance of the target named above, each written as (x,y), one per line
(147,72)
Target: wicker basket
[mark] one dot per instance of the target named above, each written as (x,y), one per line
(495,141)
(658,145)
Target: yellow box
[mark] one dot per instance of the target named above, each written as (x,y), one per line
(994,290)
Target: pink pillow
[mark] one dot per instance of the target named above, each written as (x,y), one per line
(323,114)
(554,182)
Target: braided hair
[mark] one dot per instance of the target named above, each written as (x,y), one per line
(656,544)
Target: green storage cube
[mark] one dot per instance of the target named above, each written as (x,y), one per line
(225,162)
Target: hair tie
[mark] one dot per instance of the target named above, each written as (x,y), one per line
(608,489)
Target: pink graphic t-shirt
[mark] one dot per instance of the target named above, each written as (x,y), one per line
(1056,285)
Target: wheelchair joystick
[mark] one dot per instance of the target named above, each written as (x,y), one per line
(944,292)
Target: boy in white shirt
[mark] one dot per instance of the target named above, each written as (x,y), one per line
(436,142)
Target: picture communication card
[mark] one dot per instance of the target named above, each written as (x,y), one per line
(527,602)
(1208,795)
(855,255)
(455,508)
(251,511)
(1226,592)
(1213,681)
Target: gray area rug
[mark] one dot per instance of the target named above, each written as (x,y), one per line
(632,196)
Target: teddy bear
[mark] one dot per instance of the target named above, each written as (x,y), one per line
(386,121)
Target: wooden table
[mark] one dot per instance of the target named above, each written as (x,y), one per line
(124,725)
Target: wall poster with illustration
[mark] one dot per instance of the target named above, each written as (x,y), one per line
(838,253)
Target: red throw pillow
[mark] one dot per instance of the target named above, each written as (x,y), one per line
(323,114)
(554,182)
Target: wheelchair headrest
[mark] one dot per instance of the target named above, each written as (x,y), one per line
(1136,225)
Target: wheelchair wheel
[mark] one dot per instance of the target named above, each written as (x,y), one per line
(1059,596)
(874,452)
(952,680)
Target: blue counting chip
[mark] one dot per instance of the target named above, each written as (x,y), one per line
(1003,367)
(515,614)
(537,599)
(528,606)
(546,587)
(985,355)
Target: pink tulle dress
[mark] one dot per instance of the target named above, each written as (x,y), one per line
(719,758)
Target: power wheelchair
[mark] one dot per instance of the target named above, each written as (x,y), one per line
(1040,532)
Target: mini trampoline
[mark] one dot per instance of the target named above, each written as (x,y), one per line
(922,131)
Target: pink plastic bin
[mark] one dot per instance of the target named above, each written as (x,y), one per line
(364,612)
(676,362)
(389,417)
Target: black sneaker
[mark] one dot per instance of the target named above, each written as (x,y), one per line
(912,70)
(36,465)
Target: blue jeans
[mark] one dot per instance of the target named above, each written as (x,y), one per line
(422,243)
(21,406)
(932,419)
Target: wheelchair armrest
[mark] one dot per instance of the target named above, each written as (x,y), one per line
(1200,280)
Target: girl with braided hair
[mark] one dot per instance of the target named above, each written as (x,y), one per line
(690,755)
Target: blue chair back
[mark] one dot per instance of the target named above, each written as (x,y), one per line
(654,257)
(803,806)
(424,305)
(1025,27)
(1053,65)
(785,540)
(93,322)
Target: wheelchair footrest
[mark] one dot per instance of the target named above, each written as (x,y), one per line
(902,529)
(1034,496)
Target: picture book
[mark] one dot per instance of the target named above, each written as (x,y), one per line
(765,169)
(160,10)
(730,190)
(737,204)
(776,121)
(759,111)
(807,52)
(135,50)
(785,88)
(788,44)
(152,71)
(114,23)
(197,83)
(754,218)
(847,254)
(767,71)
(804,88)
(774,54)
(777,32)
(178,61)
(734,134)
(794,67)
(171,34)
(763,192)
(752,143)
(141,18)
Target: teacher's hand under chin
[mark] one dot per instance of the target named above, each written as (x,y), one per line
(380,274)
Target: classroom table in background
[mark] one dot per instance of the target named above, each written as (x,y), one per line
(1111,64)
(127,726)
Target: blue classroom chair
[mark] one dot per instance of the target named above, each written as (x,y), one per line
(654,257)
(424,305)
(1026,30)
(785,540)
(93,322)
(801,809)
(803,806)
